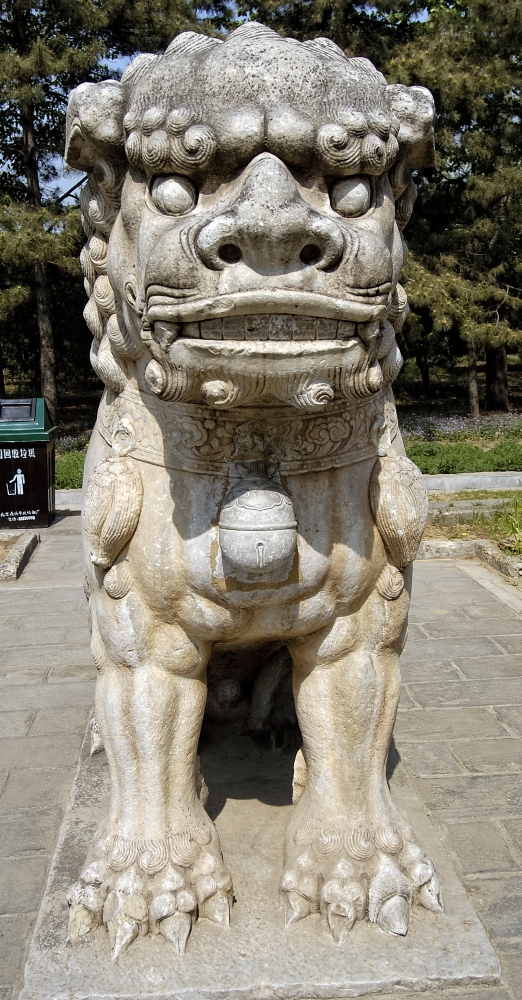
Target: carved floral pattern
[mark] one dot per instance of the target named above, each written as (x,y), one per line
(194,438)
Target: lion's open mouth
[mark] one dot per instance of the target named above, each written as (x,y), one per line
(273,326)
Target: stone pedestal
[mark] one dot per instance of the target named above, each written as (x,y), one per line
(256,959)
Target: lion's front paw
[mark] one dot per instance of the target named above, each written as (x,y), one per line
(136,901)
(346,876)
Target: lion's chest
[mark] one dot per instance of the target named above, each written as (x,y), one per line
(180,563)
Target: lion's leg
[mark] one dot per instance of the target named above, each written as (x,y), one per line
(348,849)
(157,862)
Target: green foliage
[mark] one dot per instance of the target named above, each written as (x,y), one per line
(515,526)
(464,275)
(436,458)
(369,29)
(69,470)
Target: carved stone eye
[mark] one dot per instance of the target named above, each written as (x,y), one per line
(173,195)
(351,197)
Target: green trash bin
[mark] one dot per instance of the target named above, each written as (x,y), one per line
(26,464)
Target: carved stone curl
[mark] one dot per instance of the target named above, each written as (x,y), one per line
(399,503)
(111,509)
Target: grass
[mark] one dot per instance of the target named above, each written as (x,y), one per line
(473,495)
(442,443)
(505,529)
(435,457)
(70,459)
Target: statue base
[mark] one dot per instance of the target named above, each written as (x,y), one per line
(256,959)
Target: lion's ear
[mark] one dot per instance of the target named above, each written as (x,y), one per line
(415,110)
(95,124)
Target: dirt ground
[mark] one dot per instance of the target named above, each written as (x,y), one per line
(5,547)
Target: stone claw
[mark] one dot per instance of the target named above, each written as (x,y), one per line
(217,908)
(176,929)
(81,922)
(341,918)
(426,884)
(342,902)
(85,913)
(162,906)
(126,914)
(394,915)
(122,932)
(296,907)
(390,899)
(430,895)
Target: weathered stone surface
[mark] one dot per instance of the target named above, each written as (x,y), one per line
(427,670)
(489,667)
(36,787)
(59,750)
(448,724)
(512,716)
(21,884)
(498,626)
(257,958)
(15,723)
(498,901)
(499,691)
(21,834)
(13,937)
(429,759)
(479,847)
(18,556)
(477,795)
(445,649)
(490,756)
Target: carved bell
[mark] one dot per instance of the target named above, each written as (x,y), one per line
(257,531)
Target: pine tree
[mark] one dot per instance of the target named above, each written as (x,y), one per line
(46,48)
(465,270)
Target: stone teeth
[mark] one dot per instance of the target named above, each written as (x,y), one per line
(275,326)
(256,328)
(305,329)
(326,329)
(233,328)
(281,327)
(212,329)
(345,330)
(191,330)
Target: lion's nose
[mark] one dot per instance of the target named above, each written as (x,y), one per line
(270,227)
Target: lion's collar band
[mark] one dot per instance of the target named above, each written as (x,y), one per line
(194,438)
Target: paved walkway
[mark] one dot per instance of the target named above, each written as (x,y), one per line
(459,733)
(46,690)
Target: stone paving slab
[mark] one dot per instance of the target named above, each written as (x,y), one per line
(469,753)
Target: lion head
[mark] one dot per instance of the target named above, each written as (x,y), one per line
(244,216)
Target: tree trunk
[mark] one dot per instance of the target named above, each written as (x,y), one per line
(474,408)
(2,383)
(497,396)
(424,367)
(47,359)
(45,326)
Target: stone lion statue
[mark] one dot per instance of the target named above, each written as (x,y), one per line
(246,483)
